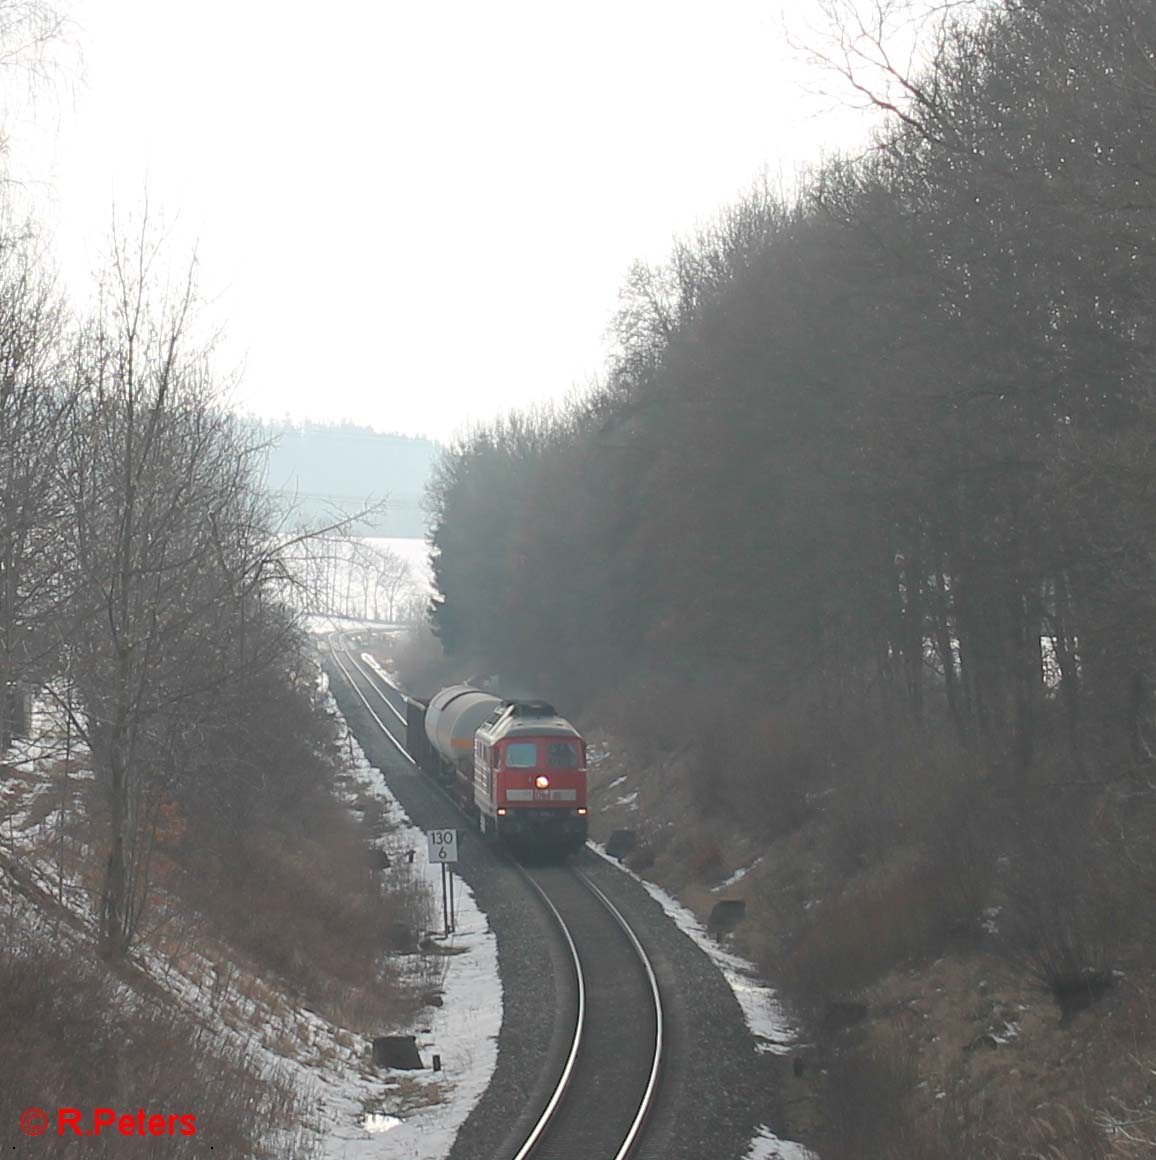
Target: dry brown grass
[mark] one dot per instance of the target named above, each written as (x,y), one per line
(896,916)
(882,861)
(901,937)
(75,1038)
(308,909)
(991,1069)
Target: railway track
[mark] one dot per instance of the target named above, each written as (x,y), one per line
(610,1061)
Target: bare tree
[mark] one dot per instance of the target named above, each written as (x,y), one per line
(892,56)
(34,405)
(392,583)
(169,559)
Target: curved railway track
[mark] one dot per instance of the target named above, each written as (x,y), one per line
(608,1079)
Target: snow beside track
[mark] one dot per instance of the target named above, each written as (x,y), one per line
(463,1031)
(767,1146)
(764,1015)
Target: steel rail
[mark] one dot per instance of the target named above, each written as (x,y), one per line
(374,674)
(563,1084)
(369,708)
(656,1063)
(533,1139)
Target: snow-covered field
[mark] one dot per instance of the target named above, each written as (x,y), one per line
(414,552)
(383,579)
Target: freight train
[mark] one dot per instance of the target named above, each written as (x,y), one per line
(514,765)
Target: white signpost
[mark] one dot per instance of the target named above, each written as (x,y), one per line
(443,849)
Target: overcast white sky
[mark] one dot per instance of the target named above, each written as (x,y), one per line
(414,215)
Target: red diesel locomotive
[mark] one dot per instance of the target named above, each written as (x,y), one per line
(515,765)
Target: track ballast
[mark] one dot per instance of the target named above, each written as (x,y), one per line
(606,1066)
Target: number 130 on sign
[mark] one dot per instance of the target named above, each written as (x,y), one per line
(443,845)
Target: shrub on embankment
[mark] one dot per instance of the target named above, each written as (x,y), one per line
(279,865)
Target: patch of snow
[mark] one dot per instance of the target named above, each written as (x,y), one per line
(630,799)
(990,924)
(617,781)
(39,784)
(738,875)
(767,1146)
(389,678)
(322,625)
(376,1123)
(464,1031)
(1008,1032)
(764,1014)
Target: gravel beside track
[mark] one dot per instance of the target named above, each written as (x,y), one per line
(715,1088)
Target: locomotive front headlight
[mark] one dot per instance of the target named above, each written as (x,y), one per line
(542,781)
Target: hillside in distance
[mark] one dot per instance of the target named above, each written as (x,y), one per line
(324,472)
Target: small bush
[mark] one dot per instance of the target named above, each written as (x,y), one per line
(1070,907)
(905,789)
(872,927)
(871,1097)
(309,909)
(705,861)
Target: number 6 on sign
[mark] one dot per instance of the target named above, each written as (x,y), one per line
(443,845)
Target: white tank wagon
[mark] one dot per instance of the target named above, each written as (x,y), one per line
(453,717)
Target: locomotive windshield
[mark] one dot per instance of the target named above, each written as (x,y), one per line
(521,755)
(562,755)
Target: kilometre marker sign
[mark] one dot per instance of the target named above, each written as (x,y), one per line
(443,846)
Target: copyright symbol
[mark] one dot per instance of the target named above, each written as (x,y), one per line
(34,1122)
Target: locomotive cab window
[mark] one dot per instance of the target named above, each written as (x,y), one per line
(562,755)
(521,755)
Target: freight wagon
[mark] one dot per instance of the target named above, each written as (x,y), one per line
(515,765)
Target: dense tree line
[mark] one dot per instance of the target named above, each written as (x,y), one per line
(888,440)
(857,542)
